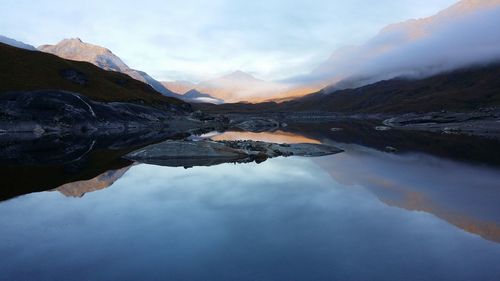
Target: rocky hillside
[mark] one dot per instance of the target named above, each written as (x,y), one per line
(59,111)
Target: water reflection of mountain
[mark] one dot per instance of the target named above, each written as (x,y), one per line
(34,165)
(80,188)
(464,195)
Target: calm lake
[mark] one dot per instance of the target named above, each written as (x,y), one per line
(430,211)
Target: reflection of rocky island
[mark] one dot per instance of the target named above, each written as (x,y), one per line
(49,162)
(463,195)
(76,165)
(209,153)
(80,188)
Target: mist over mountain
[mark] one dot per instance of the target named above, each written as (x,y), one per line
(179,87)
(76,49)
(239,86)
(463,35)
(459,90)
(234,87)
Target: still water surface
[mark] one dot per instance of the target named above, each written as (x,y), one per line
(363,214)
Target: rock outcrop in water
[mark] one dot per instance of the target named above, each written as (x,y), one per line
(209,153)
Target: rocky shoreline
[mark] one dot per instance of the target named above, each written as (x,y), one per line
(35,114)
(53,112)
(484,122)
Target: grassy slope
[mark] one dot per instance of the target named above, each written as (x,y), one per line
(22,70)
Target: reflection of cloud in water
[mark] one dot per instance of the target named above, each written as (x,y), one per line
(276,137)
(465,196)
(284,219)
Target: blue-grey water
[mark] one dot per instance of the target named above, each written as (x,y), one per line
(363,214)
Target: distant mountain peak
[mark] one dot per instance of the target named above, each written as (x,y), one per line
(239,75)
(15,43)
(76,39)
(76,49)
(196,96)
(240,86)
(192,92)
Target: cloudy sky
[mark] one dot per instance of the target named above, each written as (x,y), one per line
(195,40)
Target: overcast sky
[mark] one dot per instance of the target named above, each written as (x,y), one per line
(195,40)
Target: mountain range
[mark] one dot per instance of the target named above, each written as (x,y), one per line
(458,37)
(465,89)
(461,37)
(76,49)
(28,70)
(233,87)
